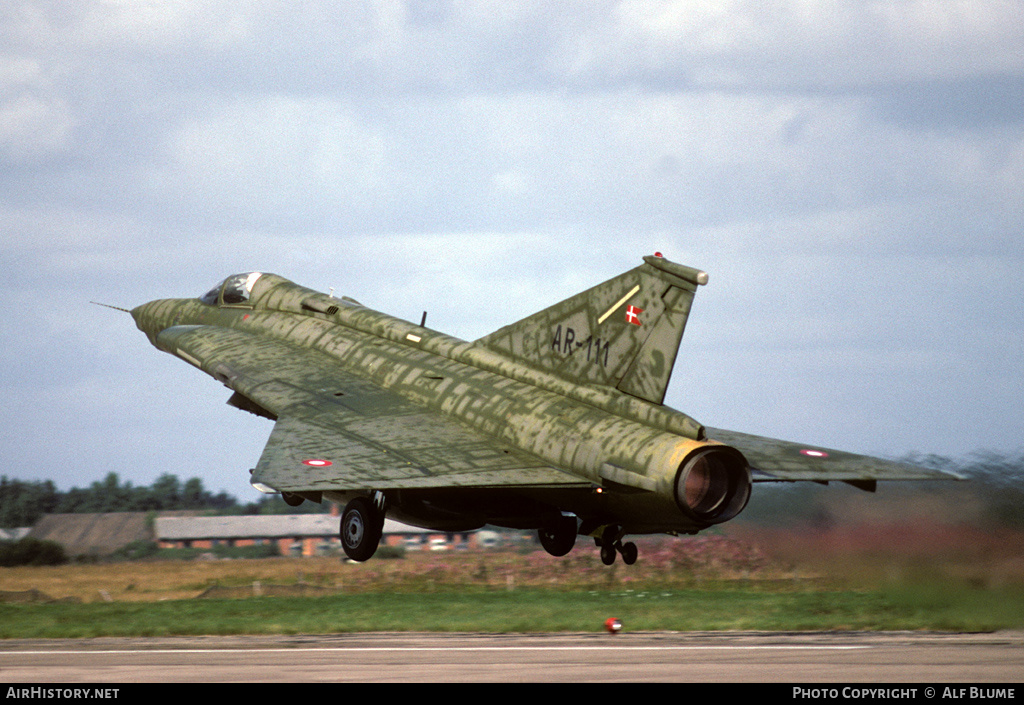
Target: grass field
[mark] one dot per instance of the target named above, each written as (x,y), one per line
(715,607)
(783,581)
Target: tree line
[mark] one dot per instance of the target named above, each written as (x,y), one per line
(22,502)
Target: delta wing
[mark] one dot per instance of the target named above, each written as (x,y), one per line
(336,431)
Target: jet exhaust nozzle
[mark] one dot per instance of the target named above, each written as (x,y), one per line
(713,484)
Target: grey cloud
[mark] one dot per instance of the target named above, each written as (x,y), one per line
(850,177)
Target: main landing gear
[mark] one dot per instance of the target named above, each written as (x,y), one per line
(610,543)
(362,524)
(559,537)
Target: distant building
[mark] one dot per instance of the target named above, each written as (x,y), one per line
(93,534)
(293,534)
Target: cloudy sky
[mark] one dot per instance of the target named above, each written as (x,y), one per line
(850,175)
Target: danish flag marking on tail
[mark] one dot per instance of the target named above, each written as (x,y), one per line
(633,315)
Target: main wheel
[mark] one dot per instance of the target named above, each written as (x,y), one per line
(609,538)
(361,528)
(559,538)
(629,553)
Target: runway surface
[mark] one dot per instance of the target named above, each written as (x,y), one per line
(730,657)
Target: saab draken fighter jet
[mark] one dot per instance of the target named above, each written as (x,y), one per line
(554,423)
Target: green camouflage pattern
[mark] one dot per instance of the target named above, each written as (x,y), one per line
(558,414)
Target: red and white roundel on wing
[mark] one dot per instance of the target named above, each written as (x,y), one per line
(814,453)
(317,462)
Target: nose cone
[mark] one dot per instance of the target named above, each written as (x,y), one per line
(143,316)
(153,317)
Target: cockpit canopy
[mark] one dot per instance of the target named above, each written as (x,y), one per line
(235,290)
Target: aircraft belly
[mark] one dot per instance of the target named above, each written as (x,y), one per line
(530,508)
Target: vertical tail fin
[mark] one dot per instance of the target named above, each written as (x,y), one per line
(623,333)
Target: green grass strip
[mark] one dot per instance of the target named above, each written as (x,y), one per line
(529,610)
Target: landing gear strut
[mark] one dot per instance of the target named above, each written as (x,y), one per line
(362,525)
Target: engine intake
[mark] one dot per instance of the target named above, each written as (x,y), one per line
(713,484)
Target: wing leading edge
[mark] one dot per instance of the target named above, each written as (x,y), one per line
(336,431)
